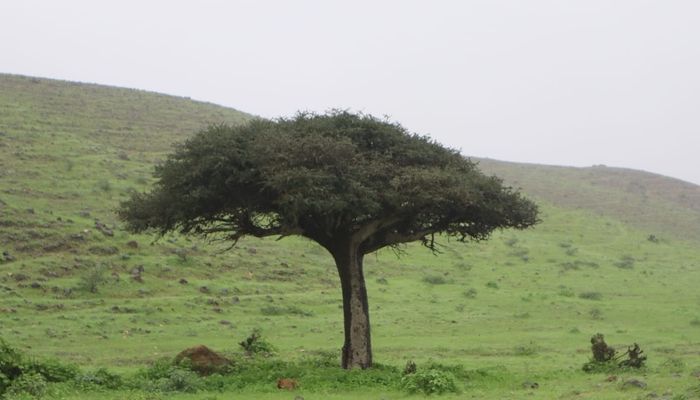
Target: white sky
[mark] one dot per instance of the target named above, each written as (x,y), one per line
(567,82)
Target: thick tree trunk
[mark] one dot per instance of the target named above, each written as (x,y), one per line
(357,349)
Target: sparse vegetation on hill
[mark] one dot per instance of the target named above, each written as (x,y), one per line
(664,207)
(506,318)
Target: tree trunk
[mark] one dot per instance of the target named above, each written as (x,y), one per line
(357,349)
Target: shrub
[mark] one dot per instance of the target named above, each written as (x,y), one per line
(470,294)
(181,380)
(410,368)
(435,279)
(492,285)
(255,344)
(99,378)
(52,370)
(288,310)
(566,292)
(596,313)
(31,383)
(10,364)
(104,185)
(429,381)
(92,279)
(591,295)
(606,359)
(4,383)
(163,376)
(520,253)
(626,262)
(18,374)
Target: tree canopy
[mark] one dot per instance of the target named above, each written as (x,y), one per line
(351,182)
(321,177)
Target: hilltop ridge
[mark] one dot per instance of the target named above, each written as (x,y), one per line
(649,201)
(48,125)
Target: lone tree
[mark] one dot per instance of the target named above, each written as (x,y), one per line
(350,182)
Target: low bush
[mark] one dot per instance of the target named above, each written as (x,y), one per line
(164,376)
(254,344)
(92,279)
(429,381)
(605,359)
(435,279)
(21,374)
(625,262)
(31,383)
(100,378)
(285,310)
(591,295)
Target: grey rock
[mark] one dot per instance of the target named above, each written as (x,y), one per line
(634,383)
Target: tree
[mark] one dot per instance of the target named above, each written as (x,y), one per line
(350,182)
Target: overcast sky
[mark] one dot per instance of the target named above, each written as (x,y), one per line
(566,82)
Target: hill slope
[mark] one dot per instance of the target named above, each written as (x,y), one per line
(661,205)
(521,306)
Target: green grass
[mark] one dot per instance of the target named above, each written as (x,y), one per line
(518,308)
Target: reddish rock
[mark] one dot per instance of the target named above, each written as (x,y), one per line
(202,360)
(286,383)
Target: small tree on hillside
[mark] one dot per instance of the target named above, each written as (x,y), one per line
(352,183)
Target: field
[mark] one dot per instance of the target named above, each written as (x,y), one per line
(501,315)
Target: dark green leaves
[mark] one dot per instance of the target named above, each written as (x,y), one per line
(331,176)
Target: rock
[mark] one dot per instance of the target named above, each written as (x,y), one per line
(183,281)
(77,236)
(204,289)
(6,256)
(634,383)
(136,274)
(103,251)
(103,228)
(287,384)
(530,385)
(35,285)
(202,360)
(20,277)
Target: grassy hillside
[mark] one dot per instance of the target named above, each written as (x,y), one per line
(663,206)
(519,308)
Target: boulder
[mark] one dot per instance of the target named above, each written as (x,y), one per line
(202,360)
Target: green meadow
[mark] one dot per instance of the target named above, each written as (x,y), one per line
(617,252)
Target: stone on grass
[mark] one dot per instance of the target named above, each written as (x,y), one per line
(202,360)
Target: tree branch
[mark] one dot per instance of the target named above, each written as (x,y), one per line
(392,238)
